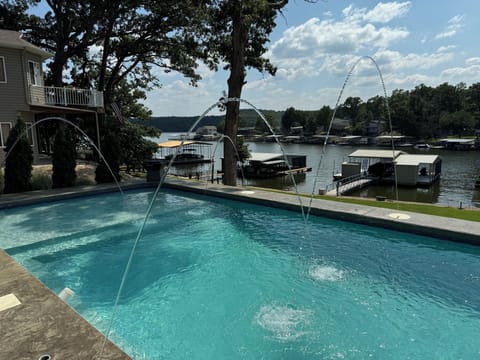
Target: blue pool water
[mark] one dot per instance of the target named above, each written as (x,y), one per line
(217,279)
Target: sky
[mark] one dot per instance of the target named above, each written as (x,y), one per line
(315,46)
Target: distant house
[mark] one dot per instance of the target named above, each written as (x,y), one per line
(24,94)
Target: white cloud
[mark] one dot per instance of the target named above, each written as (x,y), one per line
(381,13)
(311,43)
(444,49)
(385,12)
(472,61)
(456,75)
(310,46)
(455,24)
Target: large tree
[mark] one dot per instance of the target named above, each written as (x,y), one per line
(240,30)
(102,45)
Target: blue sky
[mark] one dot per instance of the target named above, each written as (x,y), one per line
(315,45)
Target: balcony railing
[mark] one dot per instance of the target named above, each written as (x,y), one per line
(65,96)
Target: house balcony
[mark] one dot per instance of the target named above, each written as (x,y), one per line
(65,96)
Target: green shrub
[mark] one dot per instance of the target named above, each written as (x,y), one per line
(64,158)
(18,164)
(111,151)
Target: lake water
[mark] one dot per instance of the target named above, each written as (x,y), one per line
(459,171)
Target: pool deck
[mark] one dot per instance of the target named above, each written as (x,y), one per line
(35,321)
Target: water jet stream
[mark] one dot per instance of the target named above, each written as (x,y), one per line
(349,74)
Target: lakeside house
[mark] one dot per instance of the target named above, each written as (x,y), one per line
(23,92)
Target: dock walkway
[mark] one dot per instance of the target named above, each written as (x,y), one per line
(344,186)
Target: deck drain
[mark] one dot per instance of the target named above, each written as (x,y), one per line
(45,357)
(399,216)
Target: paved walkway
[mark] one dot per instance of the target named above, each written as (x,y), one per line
(34,321)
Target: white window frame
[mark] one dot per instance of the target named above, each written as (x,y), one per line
(3,141)
(35,73)
(3,68)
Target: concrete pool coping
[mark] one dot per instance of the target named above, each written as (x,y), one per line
(43,324)
(422,224)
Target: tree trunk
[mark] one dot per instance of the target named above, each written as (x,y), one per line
(235,84)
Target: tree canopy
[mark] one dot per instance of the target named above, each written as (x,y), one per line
(115,47)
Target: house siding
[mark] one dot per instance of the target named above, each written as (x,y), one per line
(13,93)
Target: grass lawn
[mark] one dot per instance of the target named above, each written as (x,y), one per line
(437,210)
(470,214)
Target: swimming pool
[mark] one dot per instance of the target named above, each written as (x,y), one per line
(218,279)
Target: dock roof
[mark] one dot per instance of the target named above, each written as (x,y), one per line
(416,159)
(177,143)
(259,156)
(380,154)
(459,141)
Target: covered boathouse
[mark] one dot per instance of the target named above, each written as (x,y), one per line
(411,169)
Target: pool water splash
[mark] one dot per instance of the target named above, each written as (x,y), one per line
(326,273)
(284,323)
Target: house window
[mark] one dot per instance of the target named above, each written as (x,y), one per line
(35,73)
(3,72)
(4,132)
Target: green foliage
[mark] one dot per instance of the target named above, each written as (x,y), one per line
(18,164)
(111,151)
(135,148)
(293,117)
(324,116)
(64,158)
(13,14)
(137,37)
(242,149)
(458,123)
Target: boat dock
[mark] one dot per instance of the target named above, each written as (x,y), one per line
(350,184)
(296,171)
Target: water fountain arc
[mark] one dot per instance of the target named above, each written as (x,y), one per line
(337,104)
(76,127)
